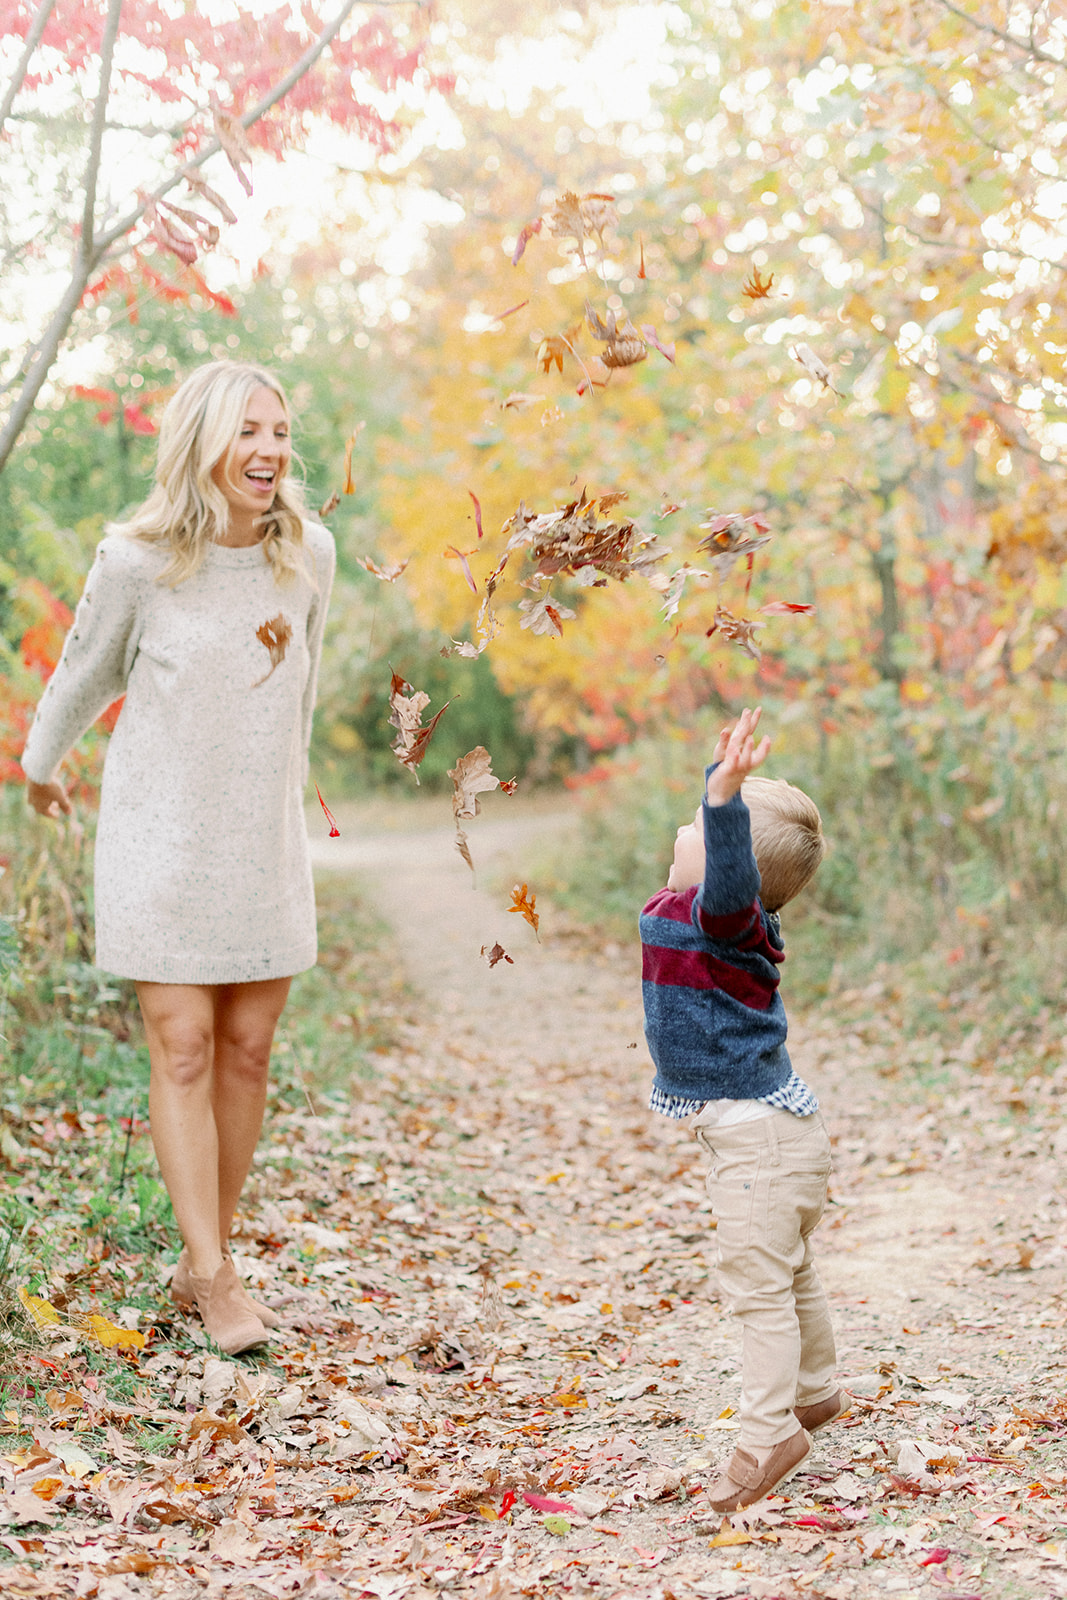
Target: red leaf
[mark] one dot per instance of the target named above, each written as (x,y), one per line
(508,1501)
(541,1502)
(524,238)
(784,608)
(80,391)
(335,832)
(137,420)
(935,1558)
(477,511)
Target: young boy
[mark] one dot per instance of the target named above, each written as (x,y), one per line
(716,1030)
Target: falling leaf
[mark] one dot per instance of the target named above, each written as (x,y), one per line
(43,1312)
(387,574)
(477,511)
(543,616)
(509,787)
(335,832)
(527,232)
(111,1336)
(275,635)
(494,954)
(623,345)
(577,217)
(517,401)
(471,776)
(462,647)
(170,237)
(649,333)
(785,608)
(731,537)
(406,707)
(551,350)
(526,907)
(641,273)
(738,630)
(758,288)
(350,445)
(813,364)
(453,554)
(330,505)
(510,312)
(673,588)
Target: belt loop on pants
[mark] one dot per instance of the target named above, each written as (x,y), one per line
(771,1125)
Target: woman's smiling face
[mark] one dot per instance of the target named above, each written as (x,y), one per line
(251,470)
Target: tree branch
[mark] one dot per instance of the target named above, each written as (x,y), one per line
(295,73)
(92,249)
(96,135)
(33,39)
(1031,49)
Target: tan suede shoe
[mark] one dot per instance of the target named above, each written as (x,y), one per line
(181,1292)
(823,1411)
(225,1312)
(744,1481)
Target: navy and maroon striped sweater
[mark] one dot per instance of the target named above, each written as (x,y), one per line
(714,1019)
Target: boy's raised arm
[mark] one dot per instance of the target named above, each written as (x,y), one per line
(736,756)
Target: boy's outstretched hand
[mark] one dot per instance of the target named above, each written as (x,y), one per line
(736,754)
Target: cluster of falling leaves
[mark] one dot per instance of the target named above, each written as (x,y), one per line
(577,542)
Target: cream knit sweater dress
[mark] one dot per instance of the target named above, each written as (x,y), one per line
(202,867)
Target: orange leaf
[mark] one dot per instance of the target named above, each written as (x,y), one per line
(527,232)
(525,906)
(350,487)
(275,635)
(758,288)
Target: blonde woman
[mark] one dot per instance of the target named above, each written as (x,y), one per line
(206,610)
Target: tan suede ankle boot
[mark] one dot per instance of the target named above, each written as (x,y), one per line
(225,1312)
(181,1292)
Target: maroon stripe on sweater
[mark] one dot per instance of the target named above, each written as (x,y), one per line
(731,924)
(695,969)
(675,907)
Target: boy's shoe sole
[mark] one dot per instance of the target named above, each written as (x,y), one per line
(744,1482)
(817,1416)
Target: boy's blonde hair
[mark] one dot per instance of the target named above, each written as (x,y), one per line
(787,838)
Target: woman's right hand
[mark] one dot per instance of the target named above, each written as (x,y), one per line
(49,799)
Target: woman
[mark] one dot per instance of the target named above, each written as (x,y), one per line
(206,609)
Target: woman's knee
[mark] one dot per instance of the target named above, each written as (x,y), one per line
(182,1055)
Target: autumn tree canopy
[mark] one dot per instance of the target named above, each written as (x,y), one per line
(131,127)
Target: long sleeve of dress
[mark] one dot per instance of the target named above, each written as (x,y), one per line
(325,564)
(96,659)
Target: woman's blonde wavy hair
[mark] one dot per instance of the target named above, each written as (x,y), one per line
(186,510)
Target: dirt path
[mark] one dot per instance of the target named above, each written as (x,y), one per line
(502,1368)
(943,1255)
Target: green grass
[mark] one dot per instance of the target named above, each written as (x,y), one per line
(85,1222)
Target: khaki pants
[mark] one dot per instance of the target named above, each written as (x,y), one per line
(767,1184)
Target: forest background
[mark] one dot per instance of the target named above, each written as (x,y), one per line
(795,289)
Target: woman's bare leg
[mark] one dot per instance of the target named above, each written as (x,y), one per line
(246,1015)
(179,1021)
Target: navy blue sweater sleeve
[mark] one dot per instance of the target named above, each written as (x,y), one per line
(726,905)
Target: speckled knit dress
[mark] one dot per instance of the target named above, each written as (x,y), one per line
(202,866)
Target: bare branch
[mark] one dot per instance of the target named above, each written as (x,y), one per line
(1026,49)
(33,39)
(96,135)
